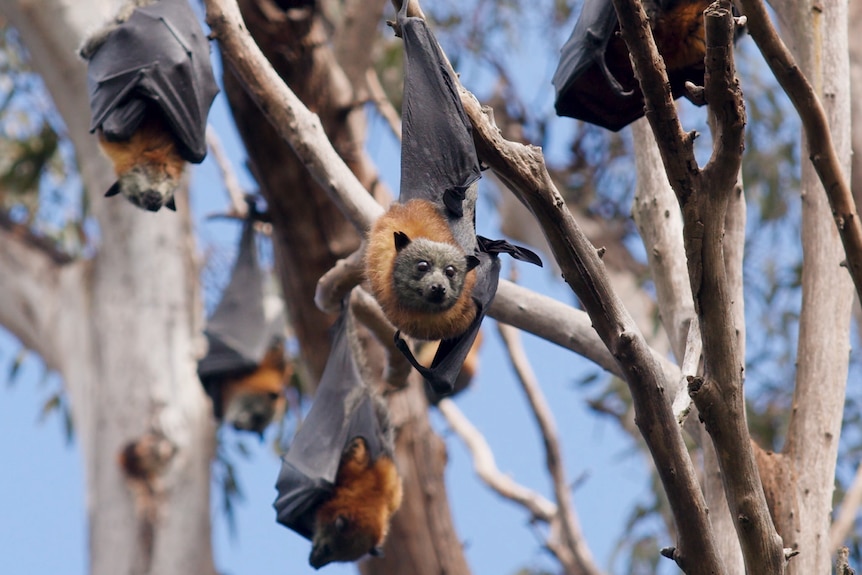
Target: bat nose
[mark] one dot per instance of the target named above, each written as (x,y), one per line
(151,201)
(438,292)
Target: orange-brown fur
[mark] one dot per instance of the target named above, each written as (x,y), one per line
(417,219)
(266,381)
(679,35)
(151,145)
(366,495)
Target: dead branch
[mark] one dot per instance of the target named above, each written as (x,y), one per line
(523,171)
(703,197)
(817,134)
(843,524)
(570,528)
(295,123)
(228,175)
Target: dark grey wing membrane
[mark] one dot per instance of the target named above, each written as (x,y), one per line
(158,59)
(343,409)
(439,164)
(592,82)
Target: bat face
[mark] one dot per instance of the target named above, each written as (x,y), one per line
(340,540)
(253,411)
(428,276)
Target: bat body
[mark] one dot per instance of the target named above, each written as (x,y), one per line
(431,231)
(244,369)
(357,516)
(151,86)
(338,484)
(594,80)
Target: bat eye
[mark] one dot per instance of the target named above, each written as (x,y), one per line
(423,266)
(273,395)
(341,524)
(450,271)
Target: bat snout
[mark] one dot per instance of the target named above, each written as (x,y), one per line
(436,293)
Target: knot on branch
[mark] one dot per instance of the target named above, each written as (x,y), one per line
(147,457)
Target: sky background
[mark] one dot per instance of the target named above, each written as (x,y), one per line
(42,507)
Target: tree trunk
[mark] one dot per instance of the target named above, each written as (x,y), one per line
(818,39)
(130,381)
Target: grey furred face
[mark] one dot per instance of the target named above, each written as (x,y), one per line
(150,189)
(429,276)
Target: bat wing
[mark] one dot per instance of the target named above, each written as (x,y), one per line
(158,57)
(438,158)
(343,409)
(594,81)
(238,332)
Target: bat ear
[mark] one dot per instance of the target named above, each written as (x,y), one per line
(472,262)
(113,190)
(401,241)
(376,551)
(171,204)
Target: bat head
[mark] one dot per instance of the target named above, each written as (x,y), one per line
(342,540)
(429,276)
(146,187)
(253,410)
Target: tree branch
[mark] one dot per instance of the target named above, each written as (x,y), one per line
(817,133)
(843,524)
(703,197)
(231,182)
(483,462)
(571,530)
(33,278)
(523,171)
(295,123)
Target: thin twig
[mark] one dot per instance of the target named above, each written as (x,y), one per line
(571,531)
(231,182)
(843,524)
(382,103)
(486,467)
(818,136)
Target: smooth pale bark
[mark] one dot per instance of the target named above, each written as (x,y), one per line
(818,40)
(121,329)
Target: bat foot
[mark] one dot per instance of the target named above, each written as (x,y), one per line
(695,94)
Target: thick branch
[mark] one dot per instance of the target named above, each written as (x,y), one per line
(522,169)
(703,197)
(295,123)
(817,134)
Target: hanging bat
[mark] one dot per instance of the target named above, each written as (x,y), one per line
(338,484)
(594,80)
(432,275)
(151,86)
(244,369)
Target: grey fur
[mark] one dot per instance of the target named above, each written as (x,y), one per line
(432,289)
